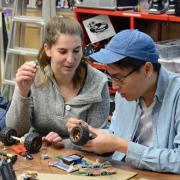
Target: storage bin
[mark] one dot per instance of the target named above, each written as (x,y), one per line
(169,54)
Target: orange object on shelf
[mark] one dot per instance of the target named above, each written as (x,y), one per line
(97,65)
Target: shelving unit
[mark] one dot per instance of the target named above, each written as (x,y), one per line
(132,19)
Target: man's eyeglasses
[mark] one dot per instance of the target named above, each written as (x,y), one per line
(122,79)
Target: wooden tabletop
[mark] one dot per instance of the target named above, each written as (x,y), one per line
(41,165)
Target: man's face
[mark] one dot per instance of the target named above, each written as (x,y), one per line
(130,83)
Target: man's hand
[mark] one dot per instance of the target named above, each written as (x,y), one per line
(53,138)
(105,142)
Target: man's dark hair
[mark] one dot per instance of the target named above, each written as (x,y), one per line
(129,62)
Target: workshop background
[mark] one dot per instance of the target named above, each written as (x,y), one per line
(20,38)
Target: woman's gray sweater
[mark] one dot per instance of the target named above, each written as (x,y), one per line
(45,110)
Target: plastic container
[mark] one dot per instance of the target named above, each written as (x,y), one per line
(169,49)
(169,53)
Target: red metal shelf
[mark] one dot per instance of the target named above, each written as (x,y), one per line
(129,13)
(97,65)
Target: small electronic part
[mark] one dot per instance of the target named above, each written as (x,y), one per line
(72,159)
(65,167)
(6,170)
(106,164)
(97,168)
(59,156)
(36,62)
(44,156)
(100,172)
(82,165)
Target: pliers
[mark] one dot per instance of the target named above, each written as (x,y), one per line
(22,151)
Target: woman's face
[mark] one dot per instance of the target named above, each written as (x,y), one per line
(132,86)
(65,54)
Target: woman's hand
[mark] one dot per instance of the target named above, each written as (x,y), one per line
(105,142)
(25,77)
(54,139)
(72,122)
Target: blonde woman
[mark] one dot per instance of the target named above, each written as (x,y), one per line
(62,86)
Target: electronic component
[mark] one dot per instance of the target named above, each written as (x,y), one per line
(65,167)
(100,172)
(36,62)
(44,156)
(72,159)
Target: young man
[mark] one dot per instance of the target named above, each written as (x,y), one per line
(145,128)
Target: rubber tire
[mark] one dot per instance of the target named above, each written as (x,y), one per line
(79,135)
(5,136)
(33,142)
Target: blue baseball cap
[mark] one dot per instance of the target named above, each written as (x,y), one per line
(128,43)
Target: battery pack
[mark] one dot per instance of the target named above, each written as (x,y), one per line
(72,159)
(65,167)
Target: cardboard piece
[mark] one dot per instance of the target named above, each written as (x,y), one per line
(121,174)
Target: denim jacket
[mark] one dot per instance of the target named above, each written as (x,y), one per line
(164,154)
(4,104)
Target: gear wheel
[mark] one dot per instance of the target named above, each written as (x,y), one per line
(33,142)
(5,136)
(79,135)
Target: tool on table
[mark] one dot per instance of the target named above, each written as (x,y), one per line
(22,151)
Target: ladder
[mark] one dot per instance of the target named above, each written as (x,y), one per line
(16,50)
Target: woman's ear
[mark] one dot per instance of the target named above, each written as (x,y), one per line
(47,50)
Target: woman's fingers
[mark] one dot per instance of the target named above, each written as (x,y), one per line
(25,77)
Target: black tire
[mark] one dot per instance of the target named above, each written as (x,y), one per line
(5,136)
(33,142)
(79,135)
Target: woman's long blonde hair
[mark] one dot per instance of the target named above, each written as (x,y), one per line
(56,26)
